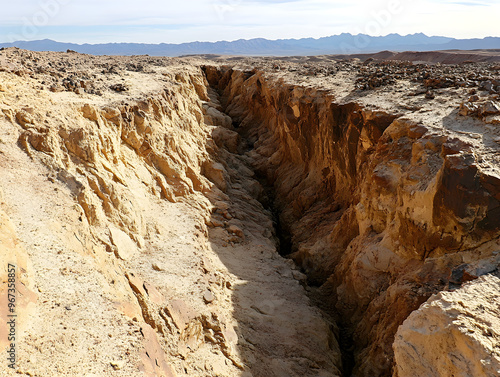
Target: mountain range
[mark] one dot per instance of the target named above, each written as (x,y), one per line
(344,43)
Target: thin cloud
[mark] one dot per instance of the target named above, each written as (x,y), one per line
(472,3)
(469,4)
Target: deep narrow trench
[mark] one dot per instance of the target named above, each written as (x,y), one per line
(380,205)
(285,249)
(284,238)
(268,199)
(344,334)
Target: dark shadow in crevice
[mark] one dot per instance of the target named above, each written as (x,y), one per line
(279,332)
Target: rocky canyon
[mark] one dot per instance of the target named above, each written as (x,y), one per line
(227,216)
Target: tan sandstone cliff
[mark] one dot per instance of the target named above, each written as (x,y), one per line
(146,202)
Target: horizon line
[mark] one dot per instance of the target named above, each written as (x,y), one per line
(251,39)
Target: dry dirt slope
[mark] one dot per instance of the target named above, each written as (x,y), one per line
(122,275)
(145,201)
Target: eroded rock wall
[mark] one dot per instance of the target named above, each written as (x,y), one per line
(381,212)
(143,250)
(88,201)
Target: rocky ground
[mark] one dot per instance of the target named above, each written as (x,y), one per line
(228,216)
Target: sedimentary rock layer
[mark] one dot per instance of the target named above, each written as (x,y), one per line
(380,210)
(146,202)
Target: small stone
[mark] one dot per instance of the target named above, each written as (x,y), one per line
(117,365)
(118,88)
(490,108)
(486,85)
(299,276)
(236,231)
(208,297)
(139,240)
(125,247)
(216,173)
(111,112)
(468,109)
(215,223)
(158,267)
(222,206)
(492,119)
(56,88)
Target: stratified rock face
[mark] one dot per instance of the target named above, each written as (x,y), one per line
(87,183)
(381,210)
(453,334)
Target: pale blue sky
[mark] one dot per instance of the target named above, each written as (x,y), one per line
(156,21)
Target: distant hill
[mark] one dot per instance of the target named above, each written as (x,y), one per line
(337,44)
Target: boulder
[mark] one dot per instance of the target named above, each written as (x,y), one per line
(453,334)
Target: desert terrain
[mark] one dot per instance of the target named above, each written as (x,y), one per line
(267,217)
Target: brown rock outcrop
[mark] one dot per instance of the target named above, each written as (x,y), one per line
(379,209)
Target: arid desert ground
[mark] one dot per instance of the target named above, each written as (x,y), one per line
(267,217)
